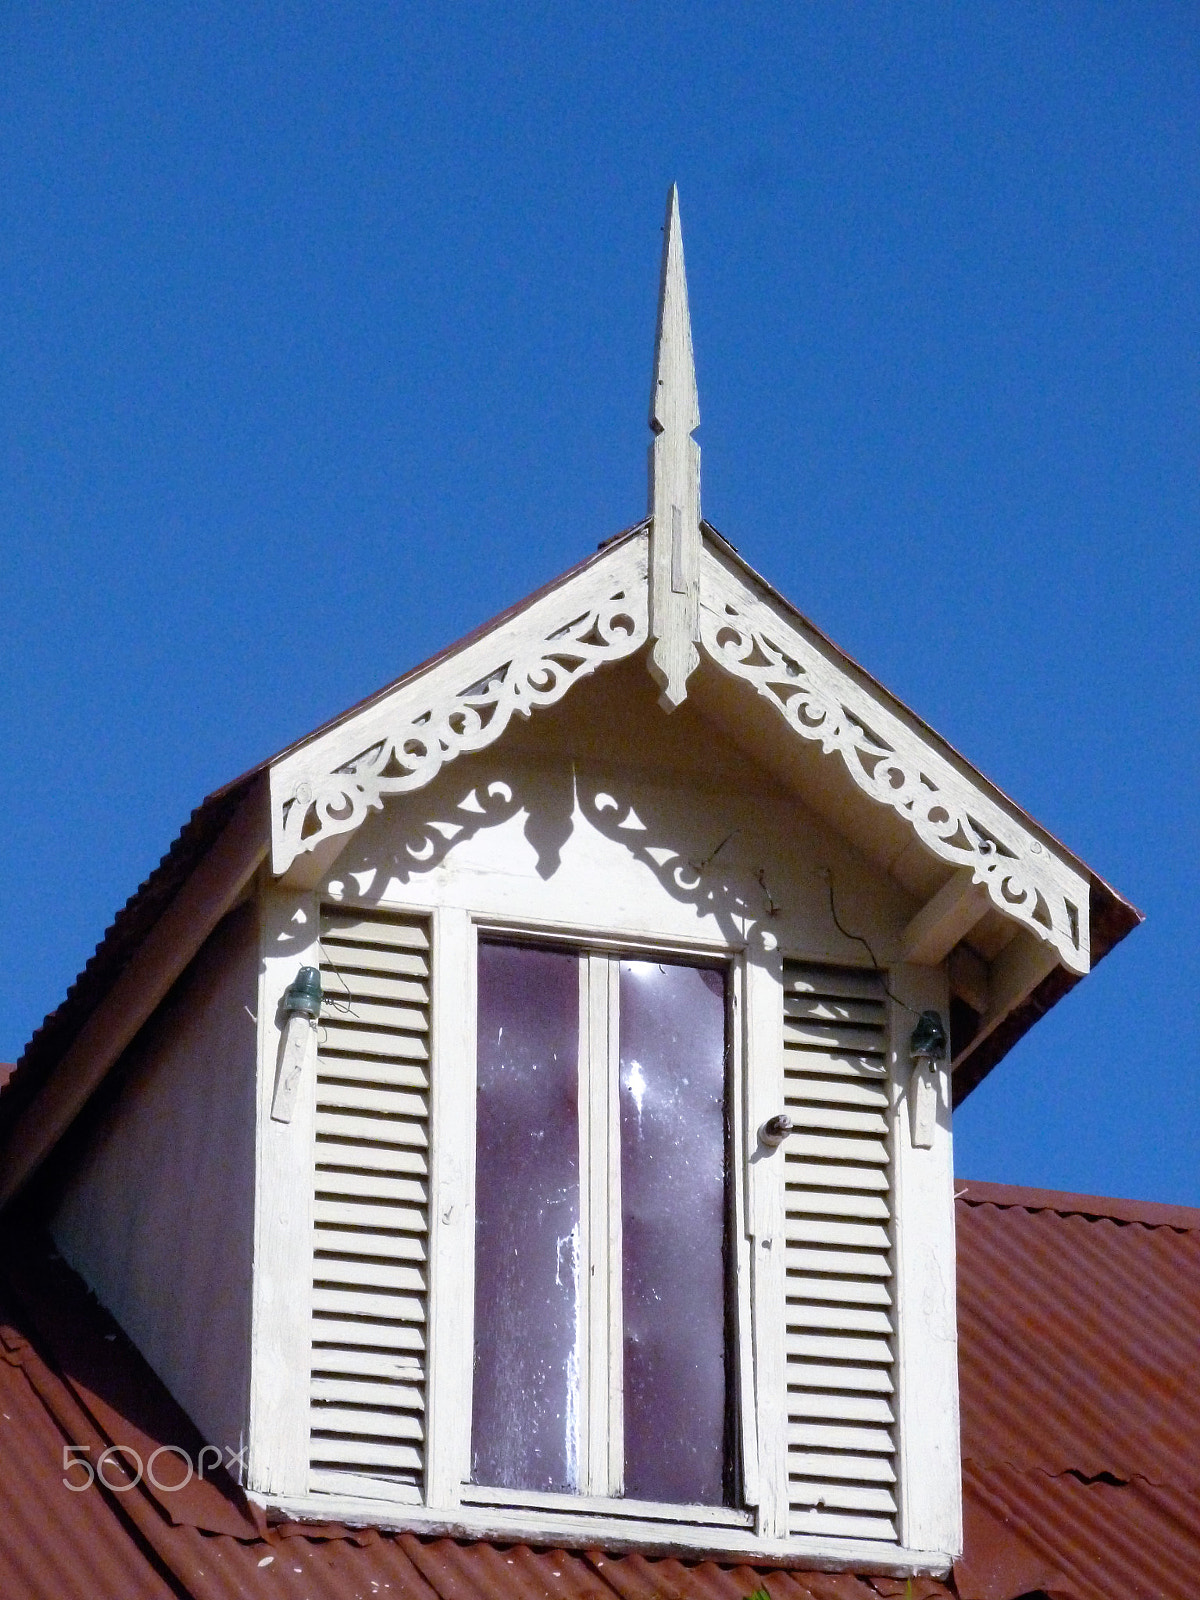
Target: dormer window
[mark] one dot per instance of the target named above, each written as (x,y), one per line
(610,1201)
(602,1292)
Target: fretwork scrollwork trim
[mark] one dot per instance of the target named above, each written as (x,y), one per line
(890,765)
(437,720)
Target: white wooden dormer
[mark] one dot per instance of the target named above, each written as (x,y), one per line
(710,878)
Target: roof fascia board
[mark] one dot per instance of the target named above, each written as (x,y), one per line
(893,759)
(463,703)
(212,890)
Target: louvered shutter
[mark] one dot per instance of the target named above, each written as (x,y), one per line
(840,1323)
(370,1265)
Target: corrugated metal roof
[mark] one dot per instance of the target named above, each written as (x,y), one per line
(1079,1326)
(68,1376)
(1079,1332)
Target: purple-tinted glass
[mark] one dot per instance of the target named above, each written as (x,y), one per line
(673,1226)
(525,1423)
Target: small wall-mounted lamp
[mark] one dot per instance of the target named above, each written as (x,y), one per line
(928,1047)
(298,1051)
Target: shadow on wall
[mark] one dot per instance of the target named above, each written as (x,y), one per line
(718,876)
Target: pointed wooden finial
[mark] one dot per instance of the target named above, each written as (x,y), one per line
(674,480)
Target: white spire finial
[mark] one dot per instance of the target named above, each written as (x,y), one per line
(674,480)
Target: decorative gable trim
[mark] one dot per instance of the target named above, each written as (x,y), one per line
(892,764)
(463,704)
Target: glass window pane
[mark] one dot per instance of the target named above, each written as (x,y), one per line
(672,1096)
(525,1427)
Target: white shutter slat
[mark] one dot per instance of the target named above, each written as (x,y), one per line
(332,1364)
(816,1464)
(349,1271)
(846,1291)
(853,1235)
(358,928)
(844,1496)
(337,976)
(370,1288)
(351,988)
(835,983)
(370,1217)
(373,1305)
(840,1337)
(819,1405)
(807,1174)
(837,1038)
(852,1525)
(827,1203)
(869,1092)
(372,1455)
(353,1011)
(371,1186)
(867,1265)
(341,1033)
(827,1008)
(334,1334)
(344,1125)
(333,1155)
(362,1422)
(831,1436)
(384,1100)
(365,1392)
(833,1375)
(850,1318)
(831,1147)
(395,1074)
(828,1347)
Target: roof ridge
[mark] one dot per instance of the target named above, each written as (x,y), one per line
(1093,1207)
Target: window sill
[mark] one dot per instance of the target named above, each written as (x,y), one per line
(361,1506)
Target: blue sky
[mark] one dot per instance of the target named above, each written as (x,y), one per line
(325,331)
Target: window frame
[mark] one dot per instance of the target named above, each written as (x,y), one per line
(927,1396)
(600,955)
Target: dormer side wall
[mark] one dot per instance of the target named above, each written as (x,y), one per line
(157,1218)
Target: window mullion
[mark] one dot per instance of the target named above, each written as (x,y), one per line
(616,1367)
(600,1385)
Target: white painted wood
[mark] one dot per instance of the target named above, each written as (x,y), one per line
(215,886)
(158,1214)
(297,1058)
(957,816)
(765,1212)
(576,1504)
(462,703)
(373,1285)
(743,1141)
(949,916)
(616,1534)
(923,1080)
(927,1384)
(840,1348)
(452,1266)
(674,479)
(283,1217)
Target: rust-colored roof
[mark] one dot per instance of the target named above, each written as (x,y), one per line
(1079,1325)
(1079,1333)
(69,1377)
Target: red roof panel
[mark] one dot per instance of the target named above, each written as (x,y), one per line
(1079,1324)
